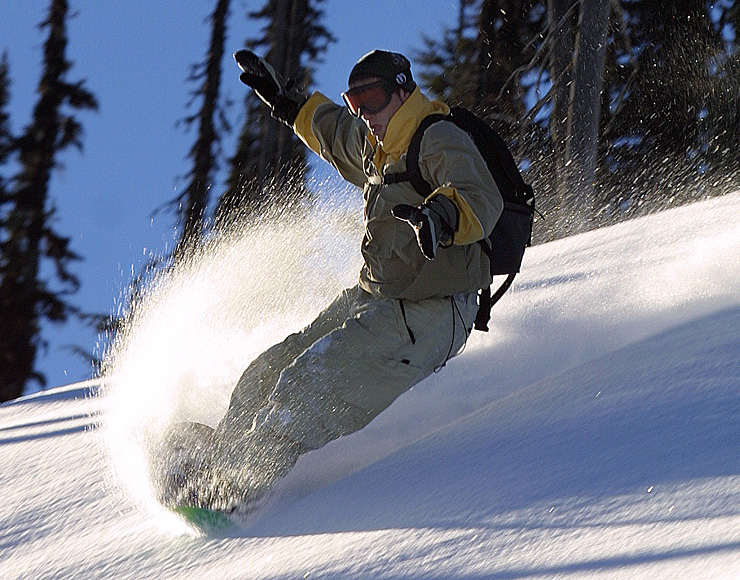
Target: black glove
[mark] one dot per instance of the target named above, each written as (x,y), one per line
(284,99)
(433,222)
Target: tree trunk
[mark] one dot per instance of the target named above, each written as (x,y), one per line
(576,69)
(585,111)
(562,35)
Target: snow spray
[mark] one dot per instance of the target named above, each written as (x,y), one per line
(193,328)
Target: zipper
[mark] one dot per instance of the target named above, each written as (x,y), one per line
(405,322)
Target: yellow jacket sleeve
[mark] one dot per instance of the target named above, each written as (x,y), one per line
(335,135)
(469,228)
(450,158)
(303,125)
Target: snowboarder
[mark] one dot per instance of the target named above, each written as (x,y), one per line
(412,309)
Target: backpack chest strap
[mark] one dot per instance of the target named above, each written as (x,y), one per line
(413,173)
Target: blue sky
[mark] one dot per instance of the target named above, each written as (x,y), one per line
(135,57)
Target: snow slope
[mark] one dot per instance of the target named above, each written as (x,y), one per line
(593,433)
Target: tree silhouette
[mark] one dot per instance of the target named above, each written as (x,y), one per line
(211,121)
(29,238)
(269,166)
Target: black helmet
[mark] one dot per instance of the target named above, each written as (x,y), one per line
(382,64)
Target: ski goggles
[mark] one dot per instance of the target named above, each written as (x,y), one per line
(370,99)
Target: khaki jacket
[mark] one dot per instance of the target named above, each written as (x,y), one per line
(449,160)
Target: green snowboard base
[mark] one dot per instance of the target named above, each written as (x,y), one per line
(207,521)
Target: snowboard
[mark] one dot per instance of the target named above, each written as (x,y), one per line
(183,451)
(178,468)
(207,521)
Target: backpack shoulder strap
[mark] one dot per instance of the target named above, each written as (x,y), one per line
(412,156)
(413,172)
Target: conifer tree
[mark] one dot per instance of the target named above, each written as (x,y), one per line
(448,65)
(505,47)
(269,165)
(211,121)
(483,63)
(6,138)
(674,128)
(29,238)
(638,99)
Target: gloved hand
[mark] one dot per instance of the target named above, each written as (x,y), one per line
(284,99)
(434,222)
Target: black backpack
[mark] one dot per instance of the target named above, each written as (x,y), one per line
(513,231)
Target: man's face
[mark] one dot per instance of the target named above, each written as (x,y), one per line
(377,120)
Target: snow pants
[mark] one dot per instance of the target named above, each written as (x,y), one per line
(334,376)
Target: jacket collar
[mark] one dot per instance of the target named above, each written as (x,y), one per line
(404,124)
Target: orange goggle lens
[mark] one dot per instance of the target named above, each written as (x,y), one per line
(371,98)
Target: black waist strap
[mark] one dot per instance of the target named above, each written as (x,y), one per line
(396,177)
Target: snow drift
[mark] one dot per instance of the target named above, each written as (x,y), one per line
(593,433)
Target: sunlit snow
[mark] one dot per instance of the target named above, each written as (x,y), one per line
(593,433)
